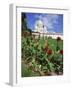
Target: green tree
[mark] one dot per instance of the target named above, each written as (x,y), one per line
(24,21)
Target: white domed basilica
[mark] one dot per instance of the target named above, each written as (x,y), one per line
(40,27)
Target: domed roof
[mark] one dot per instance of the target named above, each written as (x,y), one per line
(39,23)
(40,27)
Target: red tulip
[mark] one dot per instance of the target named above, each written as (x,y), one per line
(58,38)
(49,52)
(61,52)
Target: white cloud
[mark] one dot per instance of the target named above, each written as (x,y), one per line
(48,19)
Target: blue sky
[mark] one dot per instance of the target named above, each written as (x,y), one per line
(53,22)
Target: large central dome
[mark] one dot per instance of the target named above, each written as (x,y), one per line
(39,24)
(40,27)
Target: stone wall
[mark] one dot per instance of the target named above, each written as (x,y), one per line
(53,35)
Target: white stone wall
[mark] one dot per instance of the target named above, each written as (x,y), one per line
(48,35)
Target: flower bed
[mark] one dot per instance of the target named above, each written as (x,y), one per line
(42,56)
